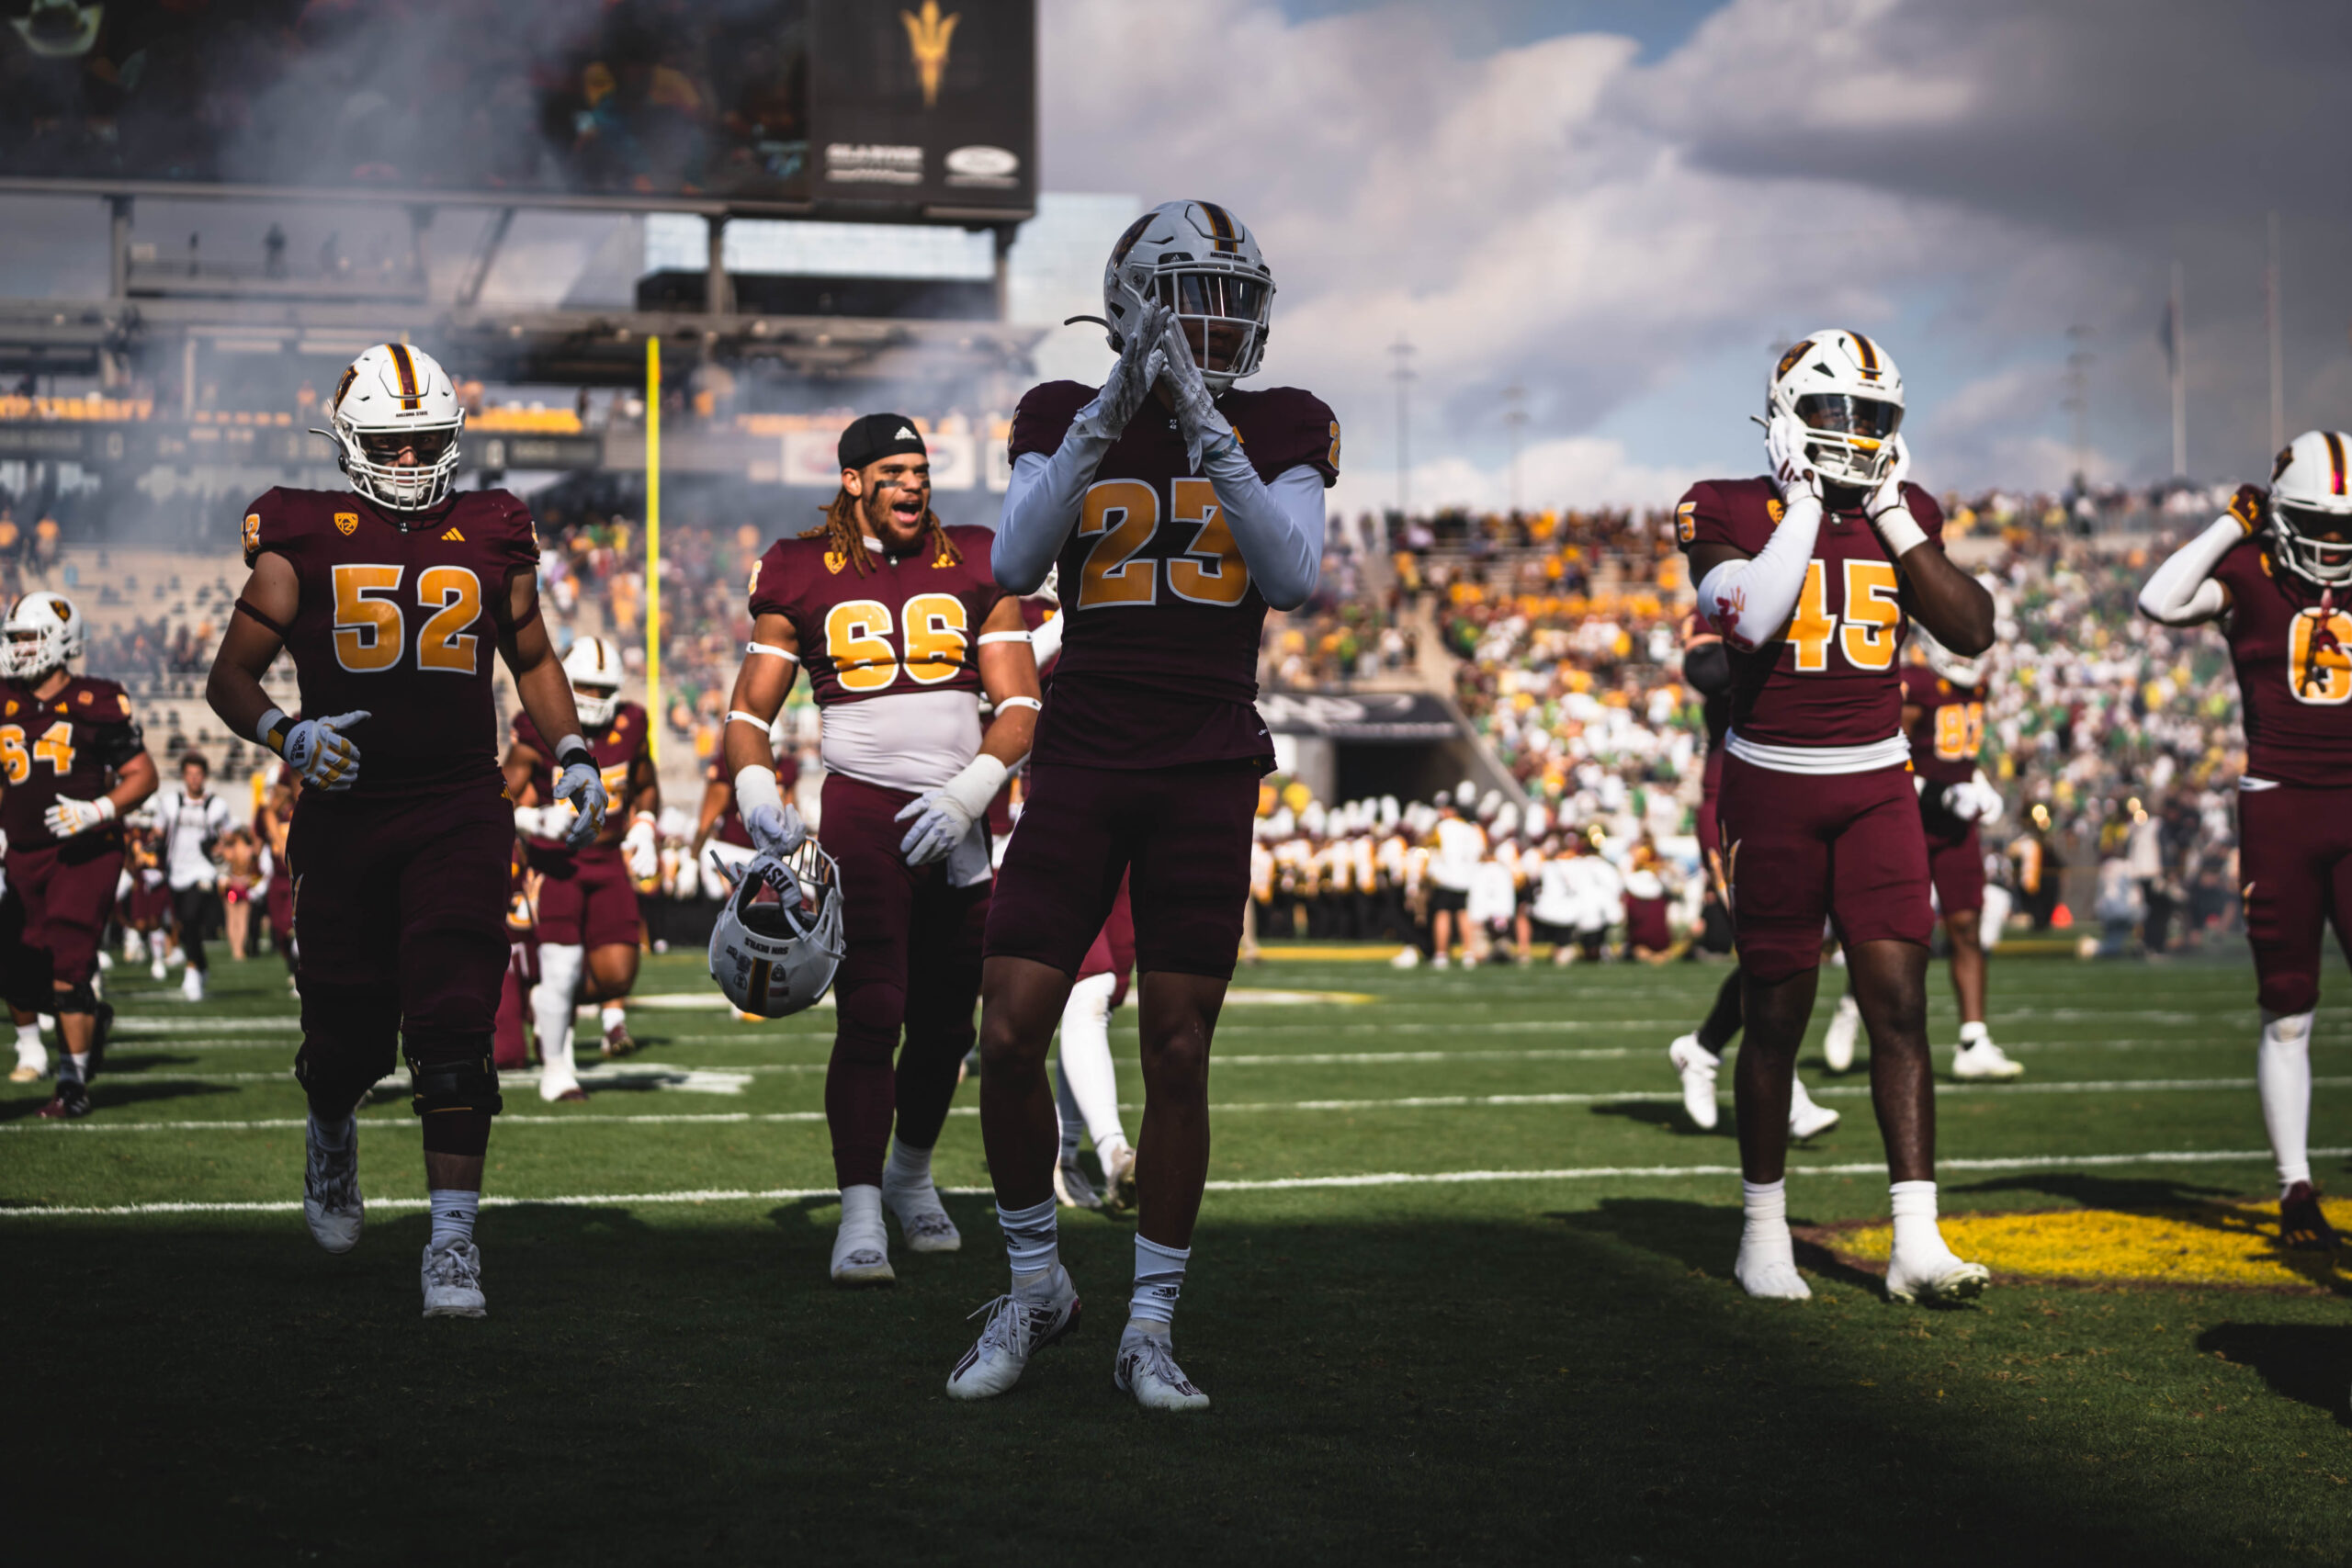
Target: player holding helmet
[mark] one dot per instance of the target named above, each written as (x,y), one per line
(2269,569)
(72,764)
(1175,509)
(390,600)
(902,630)
(1943,714)
(1811,576)
(587,921)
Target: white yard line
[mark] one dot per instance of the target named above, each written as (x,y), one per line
(1279,1184)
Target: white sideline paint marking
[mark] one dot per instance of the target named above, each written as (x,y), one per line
(1278,1184)
(1406,1102)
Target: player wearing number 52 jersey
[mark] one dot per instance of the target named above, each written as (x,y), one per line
(1175,509)
(902,630)
(2271,570)
(1811,577)
(393,600)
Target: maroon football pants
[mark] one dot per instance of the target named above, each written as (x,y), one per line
(913,965)
(68,892)
(2295,862)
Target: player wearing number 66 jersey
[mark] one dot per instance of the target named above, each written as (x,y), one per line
(2273,571)
(902,630)
(394,601)
(1811,577)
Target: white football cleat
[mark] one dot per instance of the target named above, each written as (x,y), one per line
(452,1280)
(1407,957)
(1442,962)
(32,1062)
(1983,1061)
(922,1218)
(1935,1282)
(861,1259)
(1696,1065)
(331,1200)
(1845,1027)
(1147,1368)
(1020,1324)
(1767,1268)
(1805,1118)
(192,985)
(156,971)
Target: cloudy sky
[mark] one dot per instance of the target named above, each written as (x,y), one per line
(1623,207)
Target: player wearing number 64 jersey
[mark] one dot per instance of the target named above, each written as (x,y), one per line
(2271,570)
(392,600)
(1811,577)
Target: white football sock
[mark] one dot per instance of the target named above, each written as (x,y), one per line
(908,1167)
(1973,1034)
(613,1017)
(1031,1240)
(453,1214)
(155,944)
(861,1216)
(551,1006)
(1917,1238)
(30,1051)
(80,1060)
(2282,1070)
(1159,1279)
(1086,1056)
(1768,1259)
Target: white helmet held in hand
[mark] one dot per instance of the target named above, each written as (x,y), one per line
(1202,263)
(43,630)
(1948,665)
(776,957)
(2311,507)
(1849,396)
(593,666)
(395,401)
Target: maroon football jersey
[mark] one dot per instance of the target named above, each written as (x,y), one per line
(2292,648)
(1159,665)
(401,623)
(1828,677)
(1950,731)
(911,623)
(69,744)
(616,748)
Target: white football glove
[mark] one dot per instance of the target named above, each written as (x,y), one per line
(1991,807)
(1974,800)
(1897,529)
(642,848)
(319,751)
(1197,411)
(1888,496)
(1131,378)
(581,788)
(67,817)
(944,815)
(1784,443)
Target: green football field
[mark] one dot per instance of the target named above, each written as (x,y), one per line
(1461,1293)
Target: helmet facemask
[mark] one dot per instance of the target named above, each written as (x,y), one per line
(1223,317)
(2314,545)
(1850,439)
(1204,267)
(373,461)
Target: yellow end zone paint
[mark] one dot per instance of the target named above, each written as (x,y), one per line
(2220,1243)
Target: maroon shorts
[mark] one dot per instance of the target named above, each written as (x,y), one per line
(2295,863)
(1711,800)
(148,908)
(1956,866)
(512,1042)
(1646,924)
(406,897)
(68,893)
(1800,848)
(1180,835)
(1113,952)
(587,899)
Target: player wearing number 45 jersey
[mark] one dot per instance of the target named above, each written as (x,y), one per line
(392,600)
(1175,509)
(2270,571)
(1811,576)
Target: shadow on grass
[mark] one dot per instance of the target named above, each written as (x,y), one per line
(107,1094)
(1667,1117)
(131,1064)
(1701,1237)
(2308,1362)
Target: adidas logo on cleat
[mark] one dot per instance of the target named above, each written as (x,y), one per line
(453,533)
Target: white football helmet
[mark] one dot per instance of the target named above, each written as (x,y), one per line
(393,400)
(1203,263)
(593,666)
(1949,665)
(42,631)
(2310,508)
(1848,394)
(775,958)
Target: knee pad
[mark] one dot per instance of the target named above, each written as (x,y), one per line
(348,1033)
(2288,1031)
(83,997)
(452,1072)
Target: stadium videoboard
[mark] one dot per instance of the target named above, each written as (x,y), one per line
(889,109)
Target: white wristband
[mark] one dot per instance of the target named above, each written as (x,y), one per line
(266,729)
(1899,531)
(756,786)
(568,744)
(978,785)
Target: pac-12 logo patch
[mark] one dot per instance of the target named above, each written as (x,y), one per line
(347,521)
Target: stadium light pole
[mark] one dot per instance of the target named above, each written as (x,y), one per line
(2272,309)
(1515,420)
(654,544)
(2179,379)
(2079,399)
(1403,349)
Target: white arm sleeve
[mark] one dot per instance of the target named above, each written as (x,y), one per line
(1046,641)
(1279,528)
(1749,601)
(2183,592)
(1041,505)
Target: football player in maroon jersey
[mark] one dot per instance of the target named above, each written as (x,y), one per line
(72,764)
(2268,571)
(1811,577)
(1175,509)
(391,599)
(901,629)
(587,921)
(1943,713)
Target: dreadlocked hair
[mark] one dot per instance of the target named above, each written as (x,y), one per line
(846,532)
